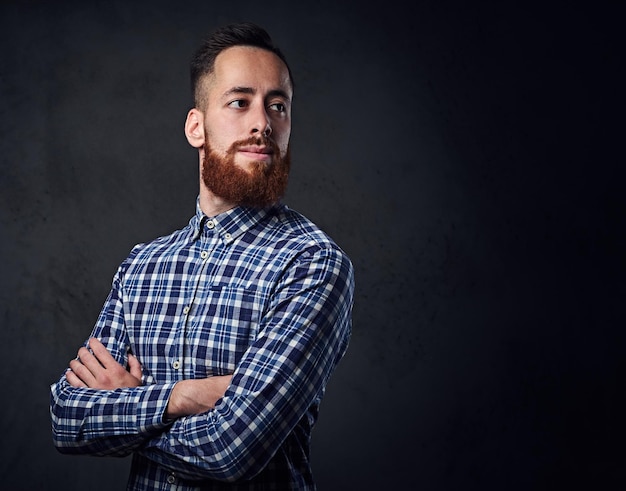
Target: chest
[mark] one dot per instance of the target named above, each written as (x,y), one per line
(194,314)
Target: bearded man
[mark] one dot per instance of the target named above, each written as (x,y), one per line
(212,352)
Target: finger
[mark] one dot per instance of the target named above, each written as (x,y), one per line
(73,380)
(134,366)
(88,360)
(101,353)
(82,373)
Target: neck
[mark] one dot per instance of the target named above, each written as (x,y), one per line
(212,205)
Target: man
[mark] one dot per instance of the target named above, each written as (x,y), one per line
(211,354)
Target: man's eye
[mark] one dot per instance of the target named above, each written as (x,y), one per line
(239,103)
(278,106)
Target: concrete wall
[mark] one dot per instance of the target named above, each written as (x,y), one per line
(462,155)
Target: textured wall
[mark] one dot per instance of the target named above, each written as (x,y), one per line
(461,155)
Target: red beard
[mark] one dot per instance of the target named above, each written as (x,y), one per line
(260,185)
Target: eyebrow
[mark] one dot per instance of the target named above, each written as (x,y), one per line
(251,91)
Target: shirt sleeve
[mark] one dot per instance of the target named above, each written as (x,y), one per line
(107,422)
(304,334)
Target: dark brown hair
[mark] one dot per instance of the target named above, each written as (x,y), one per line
(242,34)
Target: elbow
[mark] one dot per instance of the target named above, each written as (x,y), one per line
(64,440)
(232,470)
(64,443)
(235,465)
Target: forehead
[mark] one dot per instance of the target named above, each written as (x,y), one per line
(247,66)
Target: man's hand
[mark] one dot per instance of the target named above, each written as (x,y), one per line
(195,396)
(101,371)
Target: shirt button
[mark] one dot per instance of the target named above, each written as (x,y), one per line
(204,254)
(228,237)
(186,310)
(176,365)
(210,224)
(171,479)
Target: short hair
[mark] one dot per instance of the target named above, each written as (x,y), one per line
(240,34)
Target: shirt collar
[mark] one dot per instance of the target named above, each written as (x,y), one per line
(232,223)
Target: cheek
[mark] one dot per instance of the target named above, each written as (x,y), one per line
(222,131)
(282,139)
(220,141)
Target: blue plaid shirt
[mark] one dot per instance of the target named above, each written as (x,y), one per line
(262,294)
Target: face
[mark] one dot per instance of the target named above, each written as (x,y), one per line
(247,124)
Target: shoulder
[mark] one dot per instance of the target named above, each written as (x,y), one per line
(158,247)
(305,240)
(287,228)
(292,226)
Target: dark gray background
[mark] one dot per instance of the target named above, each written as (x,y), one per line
(463,155)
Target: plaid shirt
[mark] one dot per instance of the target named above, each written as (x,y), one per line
(260,294)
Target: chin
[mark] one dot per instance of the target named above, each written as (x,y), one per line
(250,165)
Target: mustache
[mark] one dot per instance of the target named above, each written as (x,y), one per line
(261,140)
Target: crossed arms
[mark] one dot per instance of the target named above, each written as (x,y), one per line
(220,427)
(97,369)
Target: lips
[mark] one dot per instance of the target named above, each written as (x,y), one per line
(258,153)
(256,149)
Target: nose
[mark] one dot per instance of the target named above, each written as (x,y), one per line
(261,123)
(264,128)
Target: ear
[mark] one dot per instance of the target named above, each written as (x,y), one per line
(194,128)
